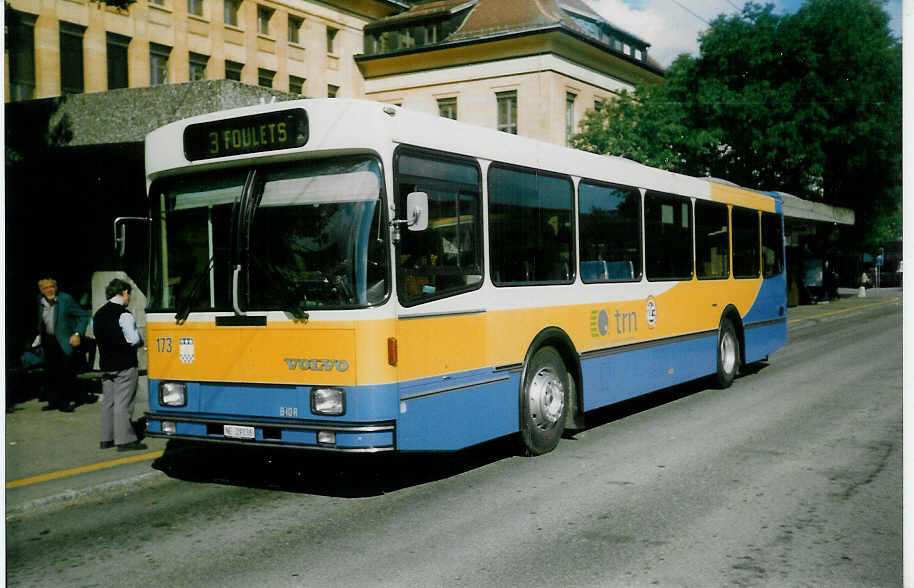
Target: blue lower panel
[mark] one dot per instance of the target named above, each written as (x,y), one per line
(764,340)
(620,376)
(452,420)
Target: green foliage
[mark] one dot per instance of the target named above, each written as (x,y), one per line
(808,103)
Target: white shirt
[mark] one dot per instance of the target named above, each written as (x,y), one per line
(127,323)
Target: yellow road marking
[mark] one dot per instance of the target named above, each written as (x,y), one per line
(83,469)
(809,318)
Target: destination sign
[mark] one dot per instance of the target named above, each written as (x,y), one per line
(246,134)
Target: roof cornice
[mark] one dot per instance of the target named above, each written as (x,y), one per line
(504,35)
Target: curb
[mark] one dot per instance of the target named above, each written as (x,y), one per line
(69,496)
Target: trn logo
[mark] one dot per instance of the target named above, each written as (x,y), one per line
(317,365)
(602,323)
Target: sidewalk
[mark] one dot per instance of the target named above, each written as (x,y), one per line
(53,456)
(50,445)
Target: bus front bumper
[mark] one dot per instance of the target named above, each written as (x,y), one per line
(326,436)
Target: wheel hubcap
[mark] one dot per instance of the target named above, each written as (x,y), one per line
(546,397)
(728,353)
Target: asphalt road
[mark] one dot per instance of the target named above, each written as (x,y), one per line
(792,477)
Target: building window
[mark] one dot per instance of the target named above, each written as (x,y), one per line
(265,77)
(195,7)
(158,64)
(21,43)
(233,70)
(296,85)
(569,117)
(332,91)
(197,64)
(294,29)
(264,15)
(230,12)
(72,80)
(331,39)
(117,60)
(507,111)
(447,107)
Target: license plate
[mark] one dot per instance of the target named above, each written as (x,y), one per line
(237,432)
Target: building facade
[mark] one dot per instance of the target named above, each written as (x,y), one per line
(304,47)
(531,67)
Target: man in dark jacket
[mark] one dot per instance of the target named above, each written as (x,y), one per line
(61,324)
(118,339)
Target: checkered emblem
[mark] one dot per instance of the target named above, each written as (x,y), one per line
(186,349)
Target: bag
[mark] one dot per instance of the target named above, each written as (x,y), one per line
(33,358)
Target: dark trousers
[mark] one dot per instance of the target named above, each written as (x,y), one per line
(59,373)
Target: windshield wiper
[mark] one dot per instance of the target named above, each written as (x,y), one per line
(184,306)
(293,304)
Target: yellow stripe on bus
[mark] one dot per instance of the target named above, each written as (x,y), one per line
(741,197)
(354,353)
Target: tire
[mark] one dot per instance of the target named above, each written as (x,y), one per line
(544,402)
(728,354)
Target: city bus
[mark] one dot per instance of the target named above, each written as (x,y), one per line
(351,276)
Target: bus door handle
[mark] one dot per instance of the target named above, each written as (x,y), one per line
(235,275)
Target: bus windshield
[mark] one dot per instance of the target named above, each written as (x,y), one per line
(295,236)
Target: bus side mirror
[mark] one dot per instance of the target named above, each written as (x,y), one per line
(120,231)
(417,211)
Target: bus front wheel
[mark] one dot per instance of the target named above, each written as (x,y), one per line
(544,402)
(727,354)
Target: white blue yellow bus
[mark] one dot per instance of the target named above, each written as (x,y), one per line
(352,276)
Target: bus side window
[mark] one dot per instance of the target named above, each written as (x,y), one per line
(668,236)
(530,226)
(610,240)
(772,245)
(446,258)
(746,254)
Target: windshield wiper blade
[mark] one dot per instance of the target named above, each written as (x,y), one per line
(188,299)
(291,303)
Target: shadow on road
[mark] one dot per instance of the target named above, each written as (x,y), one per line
(327,474)
(359,476)
(620,410)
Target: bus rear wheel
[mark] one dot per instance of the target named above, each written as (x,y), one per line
(727,354)
(544,401)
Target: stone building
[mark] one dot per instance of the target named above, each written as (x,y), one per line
(304,47)
(531,67)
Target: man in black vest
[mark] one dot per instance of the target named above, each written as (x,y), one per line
(118,339)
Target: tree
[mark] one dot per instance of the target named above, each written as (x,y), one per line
(808,103)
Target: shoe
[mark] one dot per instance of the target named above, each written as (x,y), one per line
(135,446)
(105,444)
(67,408)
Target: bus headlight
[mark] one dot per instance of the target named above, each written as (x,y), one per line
(328,401)
(173,394)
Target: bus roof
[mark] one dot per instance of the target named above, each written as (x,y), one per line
(337,126)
